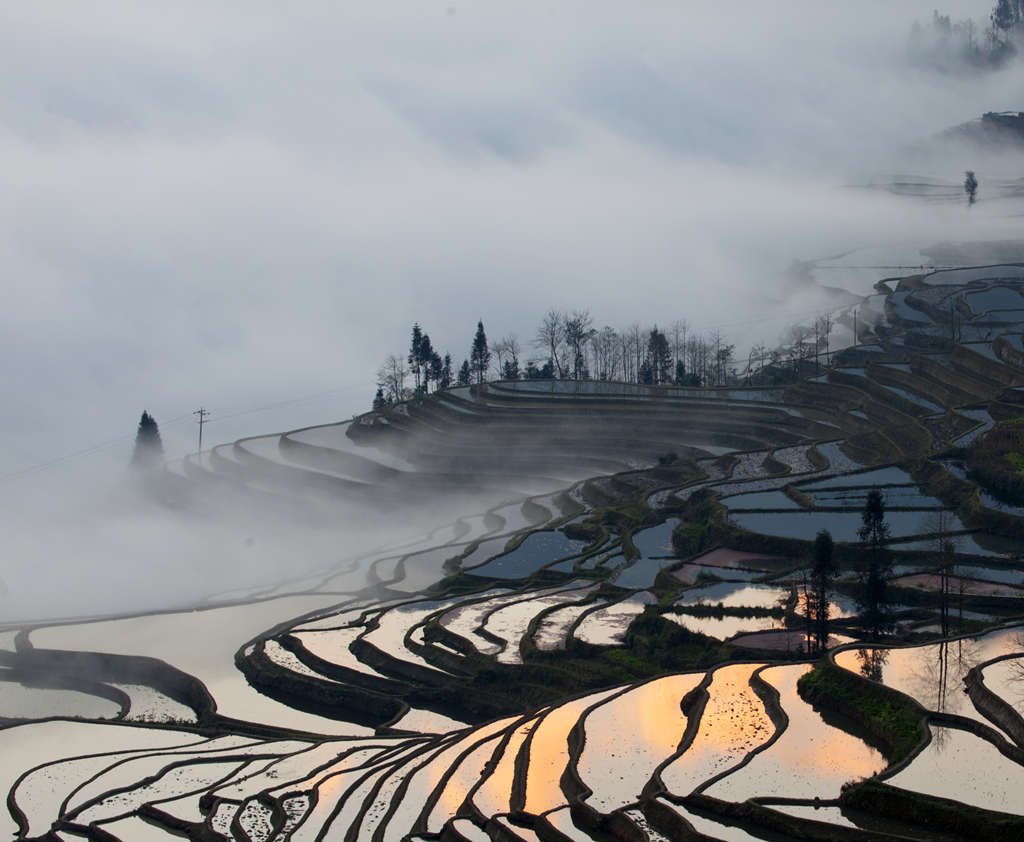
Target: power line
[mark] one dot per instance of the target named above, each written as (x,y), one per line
(202,413)
(108,443)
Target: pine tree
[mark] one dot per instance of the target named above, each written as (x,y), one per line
(480,355)
(873,535)
(379,401)
(414,352)
(149,450)
(423,361)
(465,375)
(446,373)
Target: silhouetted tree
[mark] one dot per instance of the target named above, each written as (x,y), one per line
(970,187)
(551,337)
(424,362)
(823,571)
(680,373)
(391,379)
(445,382)
(659,356)
(873,534)
(149,449)
(465,375)
(578,331)
(480,355)
(415,355)
(379,401)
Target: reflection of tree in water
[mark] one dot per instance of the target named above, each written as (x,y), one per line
(871,662)
(931,674)
(941,678)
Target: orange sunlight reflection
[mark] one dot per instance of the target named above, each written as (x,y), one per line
(733,723)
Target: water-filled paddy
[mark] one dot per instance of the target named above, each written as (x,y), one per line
(761,500)
(733,723)
(913,397)
(932,674)
(553,629)
(534,552)
(880,476)
(654,544)
(510,623)
(549,752)
(20,702)
(723,627)
(607,626)
(958,765)
(895,497)
(735,595)
(844,526)
(690,573)
(995,298)
(811,759)
(629,736)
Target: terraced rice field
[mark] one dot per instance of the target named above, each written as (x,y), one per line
(527,652)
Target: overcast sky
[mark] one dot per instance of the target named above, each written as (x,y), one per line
(246,205)
(240,206)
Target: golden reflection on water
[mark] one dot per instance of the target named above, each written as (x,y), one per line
(810,758)
(459,784)
(733,723)
(549,754)
(430,776)
(495,792)
(932,674)
(630,735)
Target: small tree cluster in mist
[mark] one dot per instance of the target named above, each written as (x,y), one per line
(149,449)
(569,346)
(948,45)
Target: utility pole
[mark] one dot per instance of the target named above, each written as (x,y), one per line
(202,413)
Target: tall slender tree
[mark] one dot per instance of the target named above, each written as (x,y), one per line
(480,355)
(149,449)
(465,374)
(414,352)
(446,373)
(424,361)
(873,534)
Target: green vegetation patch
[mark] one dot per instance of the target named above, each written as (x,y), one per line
(941,814)
(895,720)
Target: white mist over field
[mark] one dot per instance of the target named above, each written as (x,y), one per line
(247,206)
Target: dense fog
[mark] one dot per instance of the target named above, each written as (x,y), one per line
(246,208)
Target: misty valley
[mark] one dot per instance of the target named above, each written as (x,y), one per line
(591,613)
(560,422)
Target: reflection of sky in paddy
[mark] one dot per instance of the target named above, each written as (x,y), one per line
(495,792)
(932,674)
(607,626)
(629,736)
(459,784)
(810,759)
(733,723)
(735,595)
(549,753)
(422,783)
(958,765)
(723,627)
